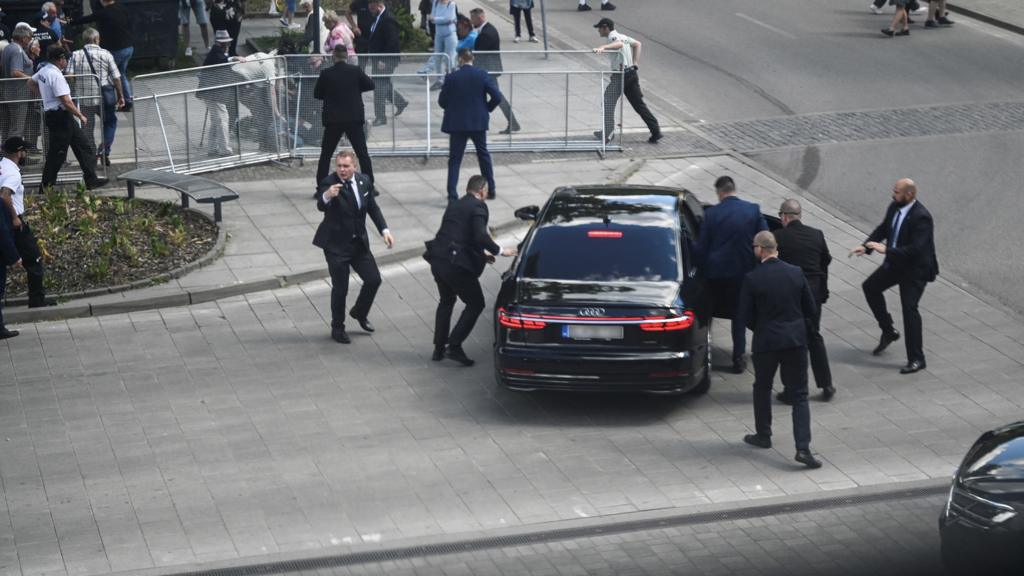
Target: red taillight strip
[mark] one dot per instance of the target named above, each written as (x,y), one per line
(517,322)
(648,323)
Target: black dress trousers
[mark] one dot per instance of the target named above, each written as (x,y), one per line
(792,363)
(453,282)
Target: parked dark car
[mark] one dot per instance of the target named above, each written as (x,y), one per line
(605,296)
(982,525)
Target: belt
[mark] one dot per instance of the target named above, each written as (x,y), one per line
(54,111)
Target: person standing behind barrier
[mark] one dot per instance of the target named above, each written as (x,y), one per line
(465,33)
(199,7)
(384,39)
(360,20)
(584,7)
(444,17)
(8,257)
(524,7)
(12,196)
(16,64)
(457,256)
(775,302)
(805,247)
(227,15)
(216,108)
(341,88)
(314,20)
(60,114)
(339,35)
(115,24)
(92,59)
(468,97)
(488,40)
(627,61)
(723,249)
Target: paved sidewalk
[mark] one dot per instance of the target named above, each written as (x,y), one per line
(1006,13)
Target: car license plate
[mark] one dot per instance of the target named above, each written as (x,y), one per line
(584,332)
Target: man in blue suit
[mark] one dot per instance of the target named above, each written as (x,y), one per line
(468,97)
(723,247)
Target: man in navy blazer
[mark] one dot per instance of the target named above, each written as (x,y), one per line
(775,302)
(468,97)
(723,247)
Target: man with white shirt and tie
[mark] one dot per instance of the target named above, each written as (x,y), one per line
(910,263)
(346,198)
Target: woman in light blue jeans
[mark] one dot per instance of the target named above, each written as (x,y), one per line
(443,16)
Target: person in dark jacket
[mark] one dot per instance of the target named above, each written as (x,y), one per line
(488,41)
(468,97)
(385,38)
(346,199)
(723,247)
(775,302)
(115,23)
(909,235)
(457,256)
(341,88)
(805,247)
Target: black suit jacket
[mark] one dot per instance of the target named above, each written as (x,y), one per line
(463,236)
(914,254)
(341,88)
(487,40)
(805,247)
(386,39)
(774,301)
(344,225)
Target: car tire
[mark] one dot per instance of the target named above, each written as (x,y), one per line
(705,381)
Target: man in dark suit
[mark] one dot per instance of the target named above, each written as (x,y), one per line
(468,97)
(384,39)
(346,198)
(805,247)
(487,40)
(723,247)
(341,88)
(910,263)
(457,255)
(775,301)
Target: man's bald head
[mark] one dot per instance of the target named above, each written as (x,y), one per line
(904,191)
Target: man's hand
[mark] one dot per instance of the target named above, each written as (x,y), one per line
(120,103)
(876,246)
(389,240)
(356,31)
(83,119)
(599,50)
(381,66)
(509,252)
(332,192)
(857,251)
(16,222)
(18,263)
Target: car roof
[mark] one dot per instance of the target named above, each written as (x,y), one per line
(626,205)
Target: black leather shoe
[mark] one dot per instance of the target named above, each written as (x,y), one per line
(399,108)
(828,392)
(883,342)
(607,6)
(364,323)
(655,137)
(380,121)
(739,365)
(583,8)
(784,398)
(5,333)
(913,366)
(758,440)
(340,336)
(807,459)
(97,183)
(438,354)
(459,356)
(510,129)
(491,194)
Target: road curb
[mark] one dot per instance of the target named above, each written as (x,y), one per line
(957,9)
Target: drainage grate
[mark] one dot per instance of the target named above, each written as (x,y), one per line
(493,542)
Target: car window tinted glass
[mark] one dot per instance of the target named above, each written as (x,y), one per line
(596,252)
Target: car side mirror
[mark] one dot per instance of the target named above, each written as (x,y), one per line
(527,212)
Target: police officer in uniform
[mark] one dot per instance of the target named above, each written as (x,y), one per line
(12,202)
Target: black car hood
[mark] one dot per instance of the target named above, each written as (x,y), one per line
(996,462)
(630,293)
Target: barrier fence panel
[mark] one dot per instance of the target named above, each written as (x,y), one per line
(21,114)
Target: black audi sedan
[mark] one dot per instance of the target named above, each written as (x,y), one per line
(605,296)
(982,525)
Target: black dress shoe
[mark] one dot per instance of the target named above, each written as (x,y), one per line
(510,129)
(380,121)
(739,365)
(758,440)
(583,8)
(399,108)
(364,323)
(491,194)
(807,459)
(784,398)
(655,137)
(883,342)
(97,183)
(913,366)
(438,354)
(828,392)
(5,333)
(340,336)
(459,356)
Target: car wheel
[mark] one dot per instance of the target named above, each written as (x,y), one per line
(705,381)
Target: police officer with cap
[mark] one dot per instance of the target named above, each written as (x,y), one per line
(12,202)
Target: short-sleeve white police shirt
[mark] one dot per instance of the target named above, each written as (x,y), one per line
(10,178)
(52,85)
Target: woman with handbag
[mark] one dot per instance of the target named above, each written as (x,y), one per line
(94,67)
(524,7)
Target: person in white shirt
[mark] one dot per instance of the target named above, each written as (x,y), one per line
(60,115)
(12,202)
(627,60)
(108,96)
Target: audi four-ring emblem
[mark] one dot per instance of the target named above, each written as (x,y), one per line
(592,312)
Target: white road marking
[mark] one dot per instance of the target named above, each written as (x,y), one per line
(753,20)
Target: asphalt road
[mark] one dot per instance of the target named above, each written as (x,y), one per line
(732,60)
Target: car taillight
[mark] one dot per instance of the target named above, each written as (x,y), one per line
(518,322)
(663,324)
(604,234)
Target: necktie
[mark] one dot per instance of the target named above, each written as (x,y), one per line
(351,190)
(895,228)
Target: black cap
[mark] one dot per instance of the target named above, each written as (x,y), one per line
(56,52)
(605,23)
(15,144)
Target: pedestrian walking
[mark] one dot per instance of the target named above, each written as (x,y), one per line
(115,24)
(723,249)
(805,248)
(488,57)
(386,41)
(937,15)
(346,198)
(444,17)
(8,251)
(522,8)
(457,255)
(468,97)
(216,98)
(775,302)
(900,25)
(908,233)
(584,7)
(12,196)
(228,15)
(100,98)
(60,114)
(625,79)
(360,20)
(341,88)
(199,8)
(339,35)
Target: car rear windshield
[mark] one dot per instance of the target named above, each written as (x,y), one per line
(596,252)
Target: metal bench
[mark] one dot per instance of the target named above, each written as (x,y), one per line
(199,189)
